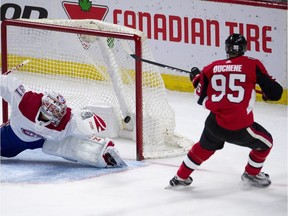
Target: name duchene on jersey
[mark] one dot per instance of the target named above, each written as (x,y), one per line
(227,68)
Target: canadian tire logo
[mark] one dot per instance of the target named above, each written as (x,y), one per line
(84,9)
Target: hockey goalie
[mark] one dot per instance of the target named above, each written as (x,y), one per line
(43,120)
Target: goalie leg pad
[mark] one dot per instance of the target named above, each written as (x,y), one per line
(87,151)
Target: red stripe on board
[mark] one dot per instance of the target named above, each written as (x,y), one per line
(277,5)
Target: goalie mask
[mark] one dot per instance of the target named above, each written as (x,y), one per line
(53,107)
(236,44)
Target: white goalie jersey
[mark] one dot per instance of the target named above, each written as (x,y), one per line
(74,138)
(25,106)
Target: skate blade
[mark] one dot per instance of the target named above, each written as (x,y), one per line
(176,187)
(119,161)
(248,186)
(169,187)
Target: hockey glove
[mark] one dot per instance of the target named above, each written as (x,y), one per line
(194,72)
(195,76)
(264,97)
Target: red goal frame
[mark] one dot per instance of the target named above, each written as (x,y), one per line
(138,65)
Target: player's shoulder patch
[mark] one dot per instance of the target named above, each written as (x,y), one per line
(30,104)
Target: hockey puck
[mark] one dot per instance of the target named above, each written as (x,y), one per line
(127,119)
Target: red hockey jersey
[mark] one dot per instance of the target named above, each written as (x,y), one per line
(227,89)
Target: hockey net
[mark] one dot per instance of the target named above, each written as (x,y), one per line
(89,62)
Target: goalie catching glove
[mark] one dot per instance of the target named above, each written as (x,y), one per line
(195,76)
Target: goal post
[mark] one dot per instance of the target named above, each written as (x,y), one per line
(89,62)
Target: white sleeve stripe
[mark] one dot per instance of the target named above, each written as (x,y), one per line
(190,164)
(261,138)
(251,102)
(255,164)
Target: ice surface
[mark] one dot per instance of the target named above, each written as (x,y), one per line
(37,184)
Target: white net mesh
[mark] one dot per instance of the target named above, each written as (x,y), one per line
(84,70)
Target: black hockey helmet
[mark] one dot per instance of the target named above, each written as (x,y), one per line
(236,44)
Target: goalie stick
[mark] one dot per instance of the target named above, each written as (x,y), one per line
(170,67)
(17,66)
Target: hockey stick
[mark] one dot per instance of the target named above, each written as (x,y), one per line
(159,64)
(17,67)
(170,67)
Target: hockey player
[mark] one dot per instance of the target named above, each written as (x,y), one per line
(227,89)
(44,121)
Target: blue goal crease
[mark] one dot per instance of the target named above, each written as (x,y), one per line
(27,168)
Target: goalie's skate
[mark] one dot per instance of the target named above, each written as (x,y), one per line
(260,180)
(176,181)
(113,159)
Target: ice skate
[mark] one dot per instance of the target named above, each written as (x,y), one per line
(260,180)
(176,181)
(113,158)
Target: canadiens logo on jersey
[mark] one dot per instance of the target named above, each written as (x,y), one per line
(31,133)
